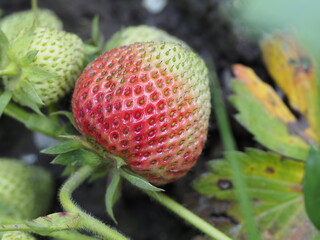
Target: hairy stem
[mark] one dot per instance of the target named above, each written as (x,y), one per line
(87,222)
(188,216)
(63,235)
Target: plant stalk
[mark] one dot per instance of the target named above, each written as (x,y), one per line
(188,216)
(87,222)
(34,122)
(63,235)
(230,147)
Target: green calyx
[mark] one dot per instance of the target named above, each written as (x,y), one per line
(41,65)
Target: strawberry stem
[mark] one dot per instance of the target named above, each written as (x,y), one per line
(34,122)
(187,215)
(87,222)
(63,235)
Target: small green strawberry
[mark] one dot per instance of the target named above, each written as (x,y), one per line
(41,65)
(148,103)
(13,24)
(141,33)
(17,236)
(25,191)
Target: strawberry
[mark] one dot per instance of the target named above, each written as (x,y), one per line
(42,65)
(148,103)
(141,33)
(25,191)
(12,24)
(17,236)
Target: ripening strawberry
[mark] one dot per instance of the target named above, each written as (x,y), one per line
(140,33)
(25,191)
(148,103)
(12,24)
(15,235)
(52,71)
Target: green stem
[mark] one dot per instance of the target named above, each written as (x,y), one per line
(64,235)
(51,109)
(230,147)
(187,215)
(70,235)
(33,121)
(87,222)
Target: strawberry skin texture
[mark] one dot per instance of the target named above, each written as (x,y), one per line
(60,53)
(141,33)
(148,103)
(25,191)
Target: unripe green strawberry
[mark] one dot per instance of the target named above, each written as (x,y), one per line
(15,235)
(59,54)
(25,191)
(141,33)
(148,103)
(12,24)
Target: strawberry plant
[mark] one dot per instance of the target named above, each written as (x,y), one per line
(26,193)
(139,102)
(139,114)
(283,197)
(168,91)
(13,24)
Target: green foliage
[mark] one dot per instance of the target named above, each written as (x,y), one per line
(274,186)
(267,129)
(5,98)
(78,157)
(311,186)
(63,147)
(113,193)
(138,181)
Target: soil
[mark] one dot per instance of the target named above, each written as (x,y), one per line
(206,27)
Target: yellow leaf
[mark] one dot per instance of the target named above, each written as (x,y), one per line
(294,72)
(271,101)
(264,93)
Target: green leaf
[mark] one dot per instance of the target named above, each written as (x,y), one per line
(5,98)
(274,187)
(311,186)
(36,74)
(31,55)
(267,129)
(63,147)
(78,157)
(95,31)
(28,89)
(138,181)
(18,48)
(27,96)
(55,222)
(113,193)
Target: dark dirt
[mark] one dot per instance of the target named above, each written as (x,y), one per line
(206,28)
